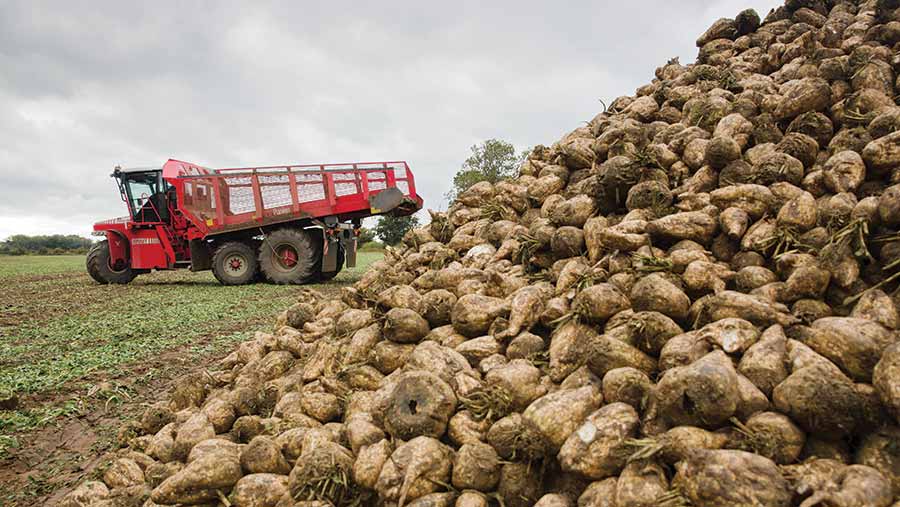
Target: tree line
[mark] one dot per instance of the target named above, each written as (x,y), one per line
(54,244)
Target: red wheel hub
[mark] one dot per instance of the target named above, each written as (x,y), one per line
(235,265)
(287,256)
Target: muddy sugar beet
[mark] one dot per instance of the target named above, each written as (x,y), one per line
(690,300)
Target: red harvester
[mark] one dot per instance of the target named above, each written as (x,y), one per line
(288,224)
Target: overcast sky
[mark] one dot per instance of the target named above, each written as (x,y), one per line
(85,86)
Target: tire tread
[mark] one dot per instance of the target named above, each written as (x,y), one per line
(97,264)
(305,246)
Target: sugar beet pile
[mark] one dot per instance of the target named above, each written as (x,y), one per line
(688,301)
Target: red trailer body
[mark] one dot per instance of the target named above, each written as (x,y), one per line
(274,218)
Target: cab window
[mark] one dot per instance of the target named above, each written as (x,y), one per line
(145,197)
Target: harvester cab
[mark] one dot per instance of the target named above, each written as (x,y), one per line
(146,193)
(287,224)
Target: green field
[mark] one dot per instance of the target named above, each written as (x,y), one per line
(70,347)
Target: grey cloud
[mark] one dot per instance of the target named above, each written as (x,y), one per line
(231,84)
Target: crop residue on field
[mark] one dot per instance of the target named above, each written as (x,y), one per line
(78,356)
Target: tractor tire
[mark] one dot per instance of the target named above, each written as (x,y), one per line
(234,263)
(288,256)
(97,263)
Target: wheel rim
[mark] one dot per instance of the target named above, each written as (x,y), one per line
(235,265)
(286,257)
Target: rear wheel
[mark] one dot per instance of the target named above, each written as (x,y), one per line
(234,263)
(99,266)
(288,256)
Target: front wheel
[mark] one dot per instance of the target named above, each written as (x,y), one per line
(101,270)
(234,263)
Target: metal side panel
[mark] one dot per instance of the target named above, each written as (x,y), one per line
(349,242)
(330,257)
(201,258)
(147,250)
